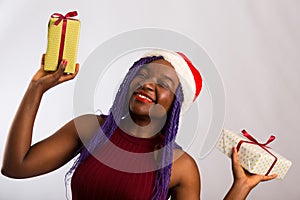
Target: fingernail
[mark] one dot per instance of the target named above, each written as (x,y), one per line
(65,62)
(233,148)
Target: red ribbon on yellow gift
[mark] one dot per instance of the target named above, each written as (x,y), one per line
(264,146)
(63,18)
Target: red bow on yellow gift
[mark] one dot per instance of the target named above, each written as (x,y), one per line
(63,17)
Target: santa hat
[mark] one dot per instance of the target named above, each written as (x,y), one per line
(189,77)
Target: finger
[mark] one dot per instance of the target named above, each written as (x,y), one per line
(234,157)
(43,60)
(269,177)
(237,169)
(76,69)
(60,71)
(42,63)
(62,66)
(67,77)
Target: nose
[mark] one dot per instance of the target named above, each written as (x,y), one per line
(148,85)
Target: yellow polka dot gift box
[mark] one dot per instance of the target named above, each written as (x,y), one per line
(255,157)
(63,38)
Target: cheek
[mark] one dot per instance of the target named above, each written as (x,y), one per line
(167,100)
(128,100)
(134,84)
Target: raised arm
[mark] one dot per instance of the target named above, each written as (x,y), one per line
(244,181)
(21,158)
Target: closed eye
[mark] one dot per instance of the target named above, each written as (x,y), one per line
(141,74)
(164,84)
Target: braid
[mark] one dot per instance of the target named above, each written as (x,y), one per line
(162,179)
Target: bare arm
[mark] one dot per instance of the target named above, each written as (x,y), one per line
(185,179)
(244,182)
(21,158)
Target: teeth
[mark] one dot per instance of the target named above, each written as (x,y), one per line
(144,97)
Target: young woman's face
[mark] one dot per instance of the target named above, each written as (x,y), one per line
(153,88)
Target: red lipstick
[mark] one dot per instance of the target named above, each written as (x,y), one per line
(142,97)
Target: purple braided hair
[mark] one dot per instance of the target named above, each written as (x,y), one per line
(162,178)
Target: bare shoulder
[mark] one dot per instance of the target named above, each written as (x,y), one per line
(86,125)
(185,176)
(184,164)
(183,156)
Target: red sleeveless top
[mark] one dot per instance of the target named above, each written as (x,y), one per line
(123,168)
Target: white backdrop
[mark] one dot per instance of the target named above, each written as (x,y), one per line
(254,45)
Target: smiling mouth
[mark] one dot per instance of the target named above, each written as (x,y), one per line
(142,98)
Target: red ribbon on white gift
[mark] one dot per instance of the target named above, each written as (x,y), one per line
(264,146)
(63,18)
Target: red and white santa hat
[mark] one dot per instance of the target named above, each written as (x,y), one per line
(189,77)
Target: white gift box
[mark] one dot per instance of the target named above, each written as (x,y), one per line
(254,157)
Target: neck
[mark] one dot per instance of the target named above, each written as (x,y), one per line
(141,127)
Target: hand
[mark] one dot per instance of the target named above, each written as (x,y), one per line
(47,80)
(244,181)
(243,177)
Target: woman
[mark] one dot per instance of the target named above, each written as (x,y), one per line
(143,120)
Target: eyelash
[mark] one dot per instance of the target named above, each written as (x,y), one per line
(164,84)
(161,83)
(143,75)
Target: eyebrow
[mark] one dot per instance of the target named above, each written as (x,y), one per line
(147,68)
(169,78)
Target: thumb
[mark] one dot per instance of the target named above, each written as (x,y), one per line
(63,65)
(61,69)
